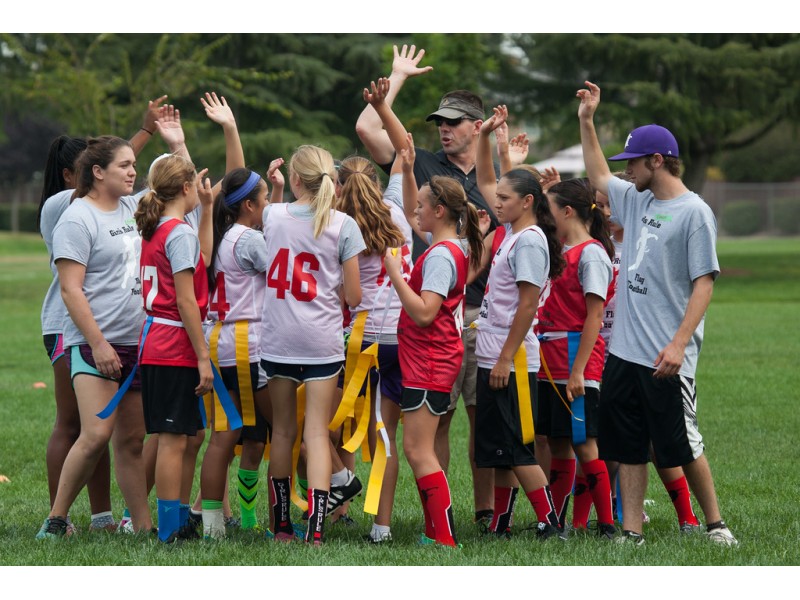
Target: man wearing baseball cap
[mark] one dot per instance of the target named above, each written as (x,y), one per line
(458,120)
(666,279)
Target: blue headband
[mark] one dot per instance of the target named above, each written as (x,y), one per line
(245,189)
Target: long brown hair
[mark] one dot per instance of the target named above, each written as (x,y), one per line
(361,198)
(580,195)
(99,151)
(166,180)
(450,193)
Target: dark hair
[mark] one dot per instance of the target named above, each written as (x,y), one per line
(450,193)
(671,163)
(63,154)
(166,180)
(525,183)
(361,198)
(579,194)
(99,151)
(225,215)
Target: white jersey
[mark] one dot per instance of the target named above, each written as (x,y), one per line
(239,291)
(377,291)
(522,256)
(302,316)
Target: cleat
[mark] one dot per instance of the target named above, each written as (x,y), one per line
(483,519)
(54,528)
(630,537)
(339,494)
(606,530)
(125,525)
(545,531)
(382,538)
(690,528)
(722,535)
(232,522)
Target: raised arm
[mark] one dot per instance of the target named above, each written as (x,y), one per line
(410,191)
(484,168)
(205,227)
(517,150)
(596,166)
(217,110)
(275,177)
(139,139)
(169,128)
(369,127)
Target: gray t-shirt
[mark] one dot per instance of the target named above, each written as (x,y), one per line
(109,246)
(529,260)
(54,313)
(439,272)
(250,252)
(595,271)
(667,245)
(182,247)
(351,242)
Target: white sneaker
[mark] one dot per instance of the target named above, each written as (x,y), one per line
(722,535)
(125,525)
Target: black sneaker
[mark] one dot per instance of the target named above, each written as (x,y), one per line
(606,530)
(630,537)
(340,494)
(545,531)
(188,531)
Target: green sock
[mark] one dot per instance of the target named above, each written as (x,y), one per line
(248,490)
(210,504)
(303,485)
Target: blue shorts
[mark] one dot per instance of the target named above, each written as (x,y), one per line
(301,373)
(390,375)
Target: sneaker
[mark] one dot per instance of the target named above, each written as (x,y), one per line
(424,540)
(483,519)
(299,533)
(722,535)
(630,537)
(690,529)
(606,530)
(53,528)
(125,525)
(345,521)
(340,494)
(545,531)
(231,522)
(382,538)
(188,531)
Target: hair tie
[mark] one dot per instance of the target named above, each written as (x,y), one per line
(243,190)
(593,206)
(328,175)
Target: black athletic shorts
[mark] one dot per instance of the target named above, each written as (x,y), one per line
(170,404)
(553,418)
(230,378)
(413,398)
(498,431)
(637,409)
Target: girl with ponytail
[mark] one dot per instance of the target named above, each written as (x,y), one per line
(236,284)
(570,317)
(429,331)
(311,250)
(173,353)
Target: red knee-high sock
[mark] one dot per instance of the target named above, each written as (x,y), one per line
(429,533)
(596,475)
(582,503)
(436,494)
(562,475)
(542,502)
(504,499)
(681,498)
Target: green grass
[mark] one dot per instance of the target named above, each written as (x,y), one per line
(747,388)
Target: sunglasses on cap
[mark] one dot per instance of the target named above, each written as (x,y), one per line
(450,122)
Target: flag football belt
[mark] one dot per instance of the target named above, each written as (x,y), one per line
(214,403)
(577,411)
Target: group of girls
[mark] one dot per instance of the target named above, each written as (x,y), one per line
(275,303)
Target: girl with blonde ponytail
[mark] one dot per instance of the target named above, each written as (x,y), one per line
(311,250)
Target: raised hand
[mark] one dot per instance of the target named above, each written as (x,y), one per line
(590,99)
(499,117)
(169,127)
(378,93)
(204,191)
(151,114)
(217,109)
(274,175)
(518,148)
(550,177)
(408,154)
(406,60)
(484,221)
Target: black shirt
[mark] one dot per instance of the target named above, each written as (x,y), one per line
(428,164)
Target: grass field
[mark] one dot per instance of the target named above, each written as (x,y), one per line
(748,384)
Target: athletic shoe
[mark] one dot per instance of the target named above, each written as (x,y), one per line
(502,535)
(606,530)
(424,540)
(299,533)
(545,531)
(483,519)
(630,537)
(188,531)
(231,522)
(125,525)
(722,535)
(345,520)
(340,494)
(54,528)
(381,539)
(689,529)
(109,527)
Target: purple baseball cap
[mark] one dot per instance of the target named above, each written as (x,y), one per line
(649,139)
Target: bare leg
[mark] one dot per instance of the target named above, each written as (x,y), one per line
(391,416)
(698,475)
(633,484)
(442,439)
(128,440)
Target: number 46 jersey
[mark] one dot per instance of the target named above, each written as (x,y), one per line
(301,321)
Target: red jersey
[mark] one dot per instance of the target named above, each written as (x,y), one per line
(430,357)
(564,310)
(167,342)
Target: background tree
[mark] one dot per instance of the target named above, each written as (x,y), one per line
(716,92)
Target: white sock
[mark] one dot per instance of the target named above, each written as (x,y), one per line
(341,477)
(213,524)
